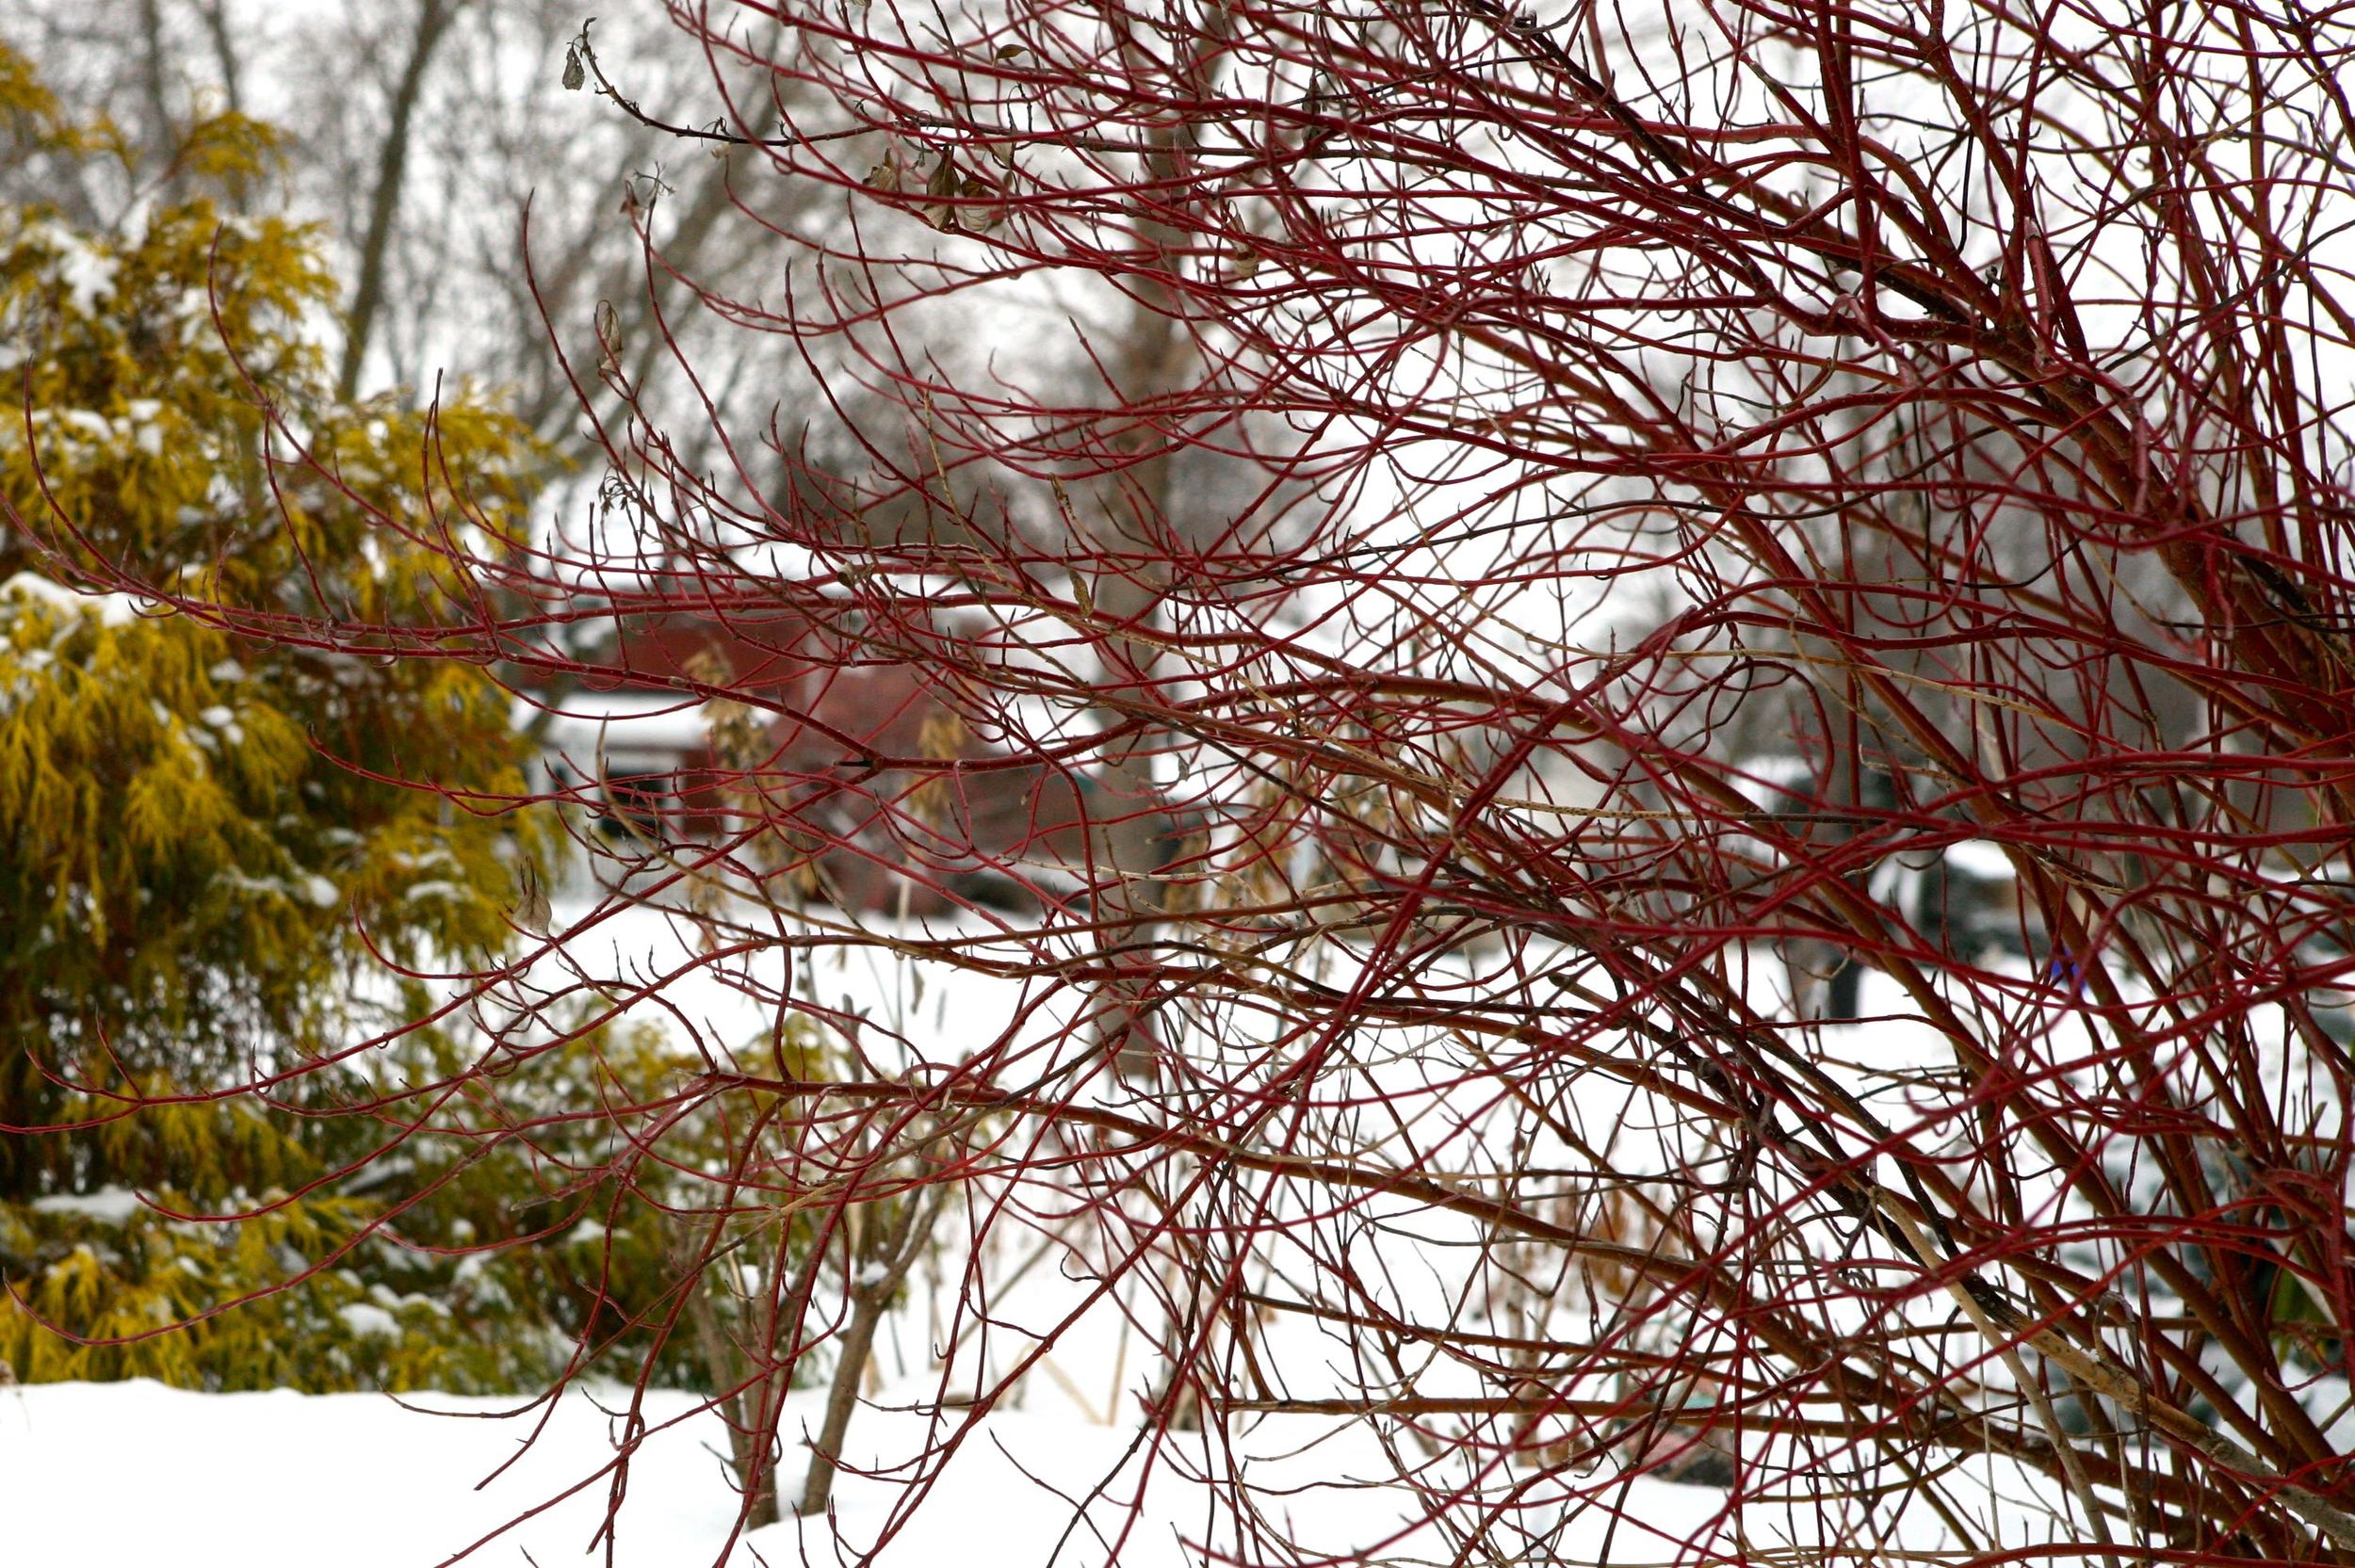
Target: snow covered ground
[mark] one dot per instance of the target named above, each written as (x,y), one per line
(139,1476)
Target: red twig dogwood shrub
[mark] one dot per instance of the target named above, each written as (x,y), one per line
(1621,742)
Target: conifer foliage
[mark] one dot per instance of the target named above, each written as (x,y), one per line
(188,886)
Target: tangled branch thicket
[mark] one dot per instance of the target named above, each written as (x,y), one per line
(1629,742)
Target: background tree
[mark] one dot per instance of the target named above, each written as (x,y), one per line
(439,126)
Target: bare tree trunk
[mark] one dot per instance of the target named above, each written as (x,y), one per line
(1153,356)
(217,30)
(728,1365)
(154,83)
(858,1343)
(367,301)
(868,1303)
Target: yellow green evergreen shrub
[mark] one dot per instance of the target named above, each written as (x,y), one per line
(198,832)
(206,842)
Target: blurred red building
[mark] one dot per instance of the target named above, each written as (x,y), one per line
(877,792)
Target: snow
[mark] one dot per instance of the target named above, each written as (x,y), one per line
(286,1481)
(1977,857)
(277,1479)
(369,1321)
(108,1205)
(144,418)
(265,1479)
(321,893)
(86,272)
(112,609)
(595,723)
